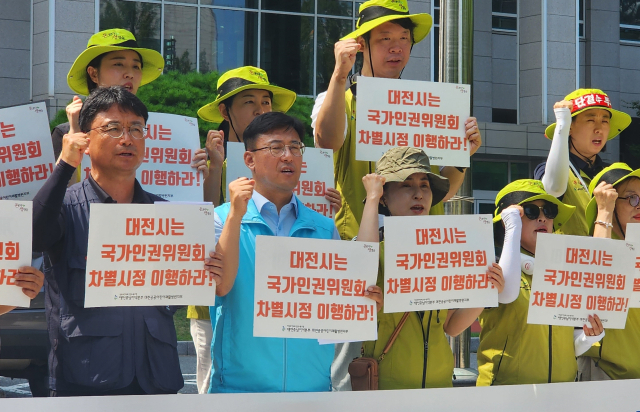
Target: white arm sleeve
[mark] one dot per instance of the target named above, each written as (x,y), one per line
(510,258)
(316,110)
(583,342)
(556,172)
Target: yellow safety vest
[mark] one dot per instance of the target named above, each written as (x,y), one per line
(577,196)
(405,365)
(514,352)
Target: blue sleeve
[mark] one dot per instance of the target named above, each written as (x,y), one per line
(217,225)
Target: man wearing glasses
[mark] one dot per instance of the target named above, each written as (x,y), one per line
(264,205)
(99,351)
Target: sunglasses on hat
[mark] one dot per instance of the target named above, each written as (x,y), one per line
(532,211)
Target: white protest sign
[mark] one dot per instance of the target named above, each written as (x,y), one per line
(15,249)
(314,288)
(426,115)
(577,276)
(315,178)
(438,262)
(149,255)
(170,144)
(633,236)
(26,151)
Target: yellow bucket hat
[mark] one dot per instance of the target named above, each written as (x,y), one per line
(614,174)
(375,12)
(244,78)
(107,41)
(585,99)
(527,190)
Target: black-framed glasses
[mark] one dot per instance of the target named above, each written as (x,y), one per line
(634,200)
(116,130)
(278,149)
(532,211)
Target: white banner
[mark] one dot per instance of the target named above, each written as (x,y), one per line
(426,115)
(577,276)
(15,249)
(438,262)
(149,255)
(26,151)
(170,144)
(633,235)
(314,288)
(315,178)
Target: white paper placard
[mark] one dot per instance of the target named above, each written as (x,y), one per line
(15,249)
(149,255)
(315,178)
(438,262)
(426,115)
(314,288)
(577,276)
(633,236)
(26,151)
(170,144)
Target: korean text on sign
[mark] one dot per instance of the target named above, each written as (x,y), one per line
(315,177)
(427,115)
(633,235)
(170,144)
(580,276)
(149,255)
(438,262)
(15,249)
(314,288)
(26,151)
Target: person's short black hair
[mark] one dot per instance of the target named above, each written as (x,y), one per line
(405,23)
(95,63)
(101,100)
(270,122)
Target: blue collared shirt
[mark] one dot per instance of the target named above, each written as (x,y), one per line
(280,224)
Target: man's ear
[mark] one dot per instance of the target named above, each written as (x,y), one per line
(224,112)
(249,160)
(93,74)
(361,42)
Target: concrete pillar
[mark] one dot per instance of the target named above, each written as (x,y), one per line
(547,44)
(15,21)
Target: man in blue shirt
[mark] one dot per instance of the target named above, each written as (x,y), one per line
(265,205)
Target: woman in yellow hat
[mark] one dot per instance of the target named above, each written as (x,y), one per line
(112,58)
(420,357)
(615,205)
(511,351)
(585,122)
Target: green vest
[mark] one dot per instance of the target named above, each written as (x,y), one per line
(348,174)
(405,365)
(514,352)
(577,196)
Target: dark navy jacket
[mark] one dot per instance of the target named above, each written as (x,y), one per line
(95,349)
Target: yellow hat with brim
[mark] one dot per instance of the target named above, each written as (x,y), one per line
(108,41)
(587,99)
(245,78)
(375,12)
(528,190)
(614,175)
(397,164)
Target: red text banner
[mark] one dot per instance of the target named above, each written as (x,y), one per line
(170,144)
(633,235)
(314,288)
(426,115)
(26,151)
(315,178)
(15,249)
(438,262)
(577,276)
(149,255)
